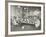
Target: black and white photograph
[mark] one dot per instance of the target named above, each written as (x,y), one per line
(25,18)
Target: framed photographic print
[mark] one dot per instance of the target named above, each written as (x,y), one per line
(25,18)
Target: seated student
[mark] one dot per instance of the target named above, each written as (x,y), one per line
(37,22)
(15,22)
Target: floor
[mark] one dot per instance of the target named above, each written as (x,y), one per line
(23,28)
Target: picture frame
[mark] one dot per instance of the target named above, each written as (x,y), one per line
(20,9)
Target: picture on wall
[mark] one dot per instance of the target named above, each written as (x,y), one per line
(25,18)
